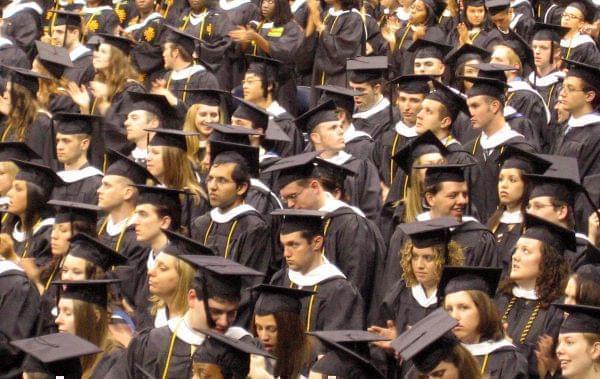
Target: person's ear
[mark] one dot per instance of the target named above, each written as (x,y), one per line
(165,222)
(241,189)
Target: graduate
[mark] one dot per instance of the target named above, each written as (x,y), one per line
(537,278)
(429,53)
(576,45)
(336,303)
(580,97)
(240,12)
(12,55)
(99,17)
(467,295)
(476,28)
(9,170)
(213,304)
(22,24)
(582,287)
(75,136)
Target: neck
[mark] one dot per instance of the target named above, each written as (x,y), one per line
(93,4)
(144,14)
(326,154)
(337,6)
(318,261)
(73,46)
(545,70)
(441,134)
(142,143)
(321,200)
(180,64)
(528,284)
(236,203)
(514,207)
(571,33)
(582,111)
(171,308)
(187,318)
(470,340)
(76,165)
(158,242)
(264,102)
(121,212)
(590,373)
(495,125)
(511,75)
(429,288)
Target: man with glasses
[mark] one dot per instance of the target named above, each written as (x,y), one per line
(576,44)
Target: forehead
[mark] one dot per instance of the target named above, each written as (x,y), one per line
(529,242)
(453,186)
(223,170)
(428,60)
(423,250)
(207,108)
(415,96)
(146,207)
(222,305)
(326,125)
(432,104)
(476,99)
(365,85)
(291,188)
(290,237)
(573,80)
(251,75)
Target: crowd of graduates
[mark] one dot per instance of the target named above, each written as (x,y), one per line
(299,189)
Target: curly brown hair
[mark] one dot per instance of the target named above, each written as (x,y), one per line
(118,73)
(455,258)
(23,110)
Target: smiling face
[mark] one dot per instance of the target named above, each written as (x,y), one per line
(577,356)
(450,201)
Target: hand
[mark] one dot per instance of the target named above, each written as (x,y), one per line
(419,32)
(242,34)
(79,94)
(546,359)
(594,229)
(506,336)
(31,269)
(159,87)
(99,89)
(463,33)
(388,332)
(314,6)
(122,333)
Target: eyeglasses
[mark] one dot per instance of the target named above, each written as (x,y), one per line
(250,81)
(538,206)
(292,197)
(568,90)
(569,16)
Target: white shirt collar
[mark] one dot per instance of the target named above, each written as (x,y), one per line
(521,85)
(584,120)
(515,217)
(524,294)
(5,41)
(187,72)
(486,347)
(228,5)
(498,138)
(179,326)
(339,159)
(332,205)
(151,261)
(381,105)
(152,16)
(426,216)
(16,7)
(138,153)
(316,275)
(421,297)
(333,13)
(20,236)
(195,19)
(548,80)
(578,40)
(351,134)
(405,130)
(6,265)
(113,229)
(95,10)
(509,111)
(513,23)
(297,4)
(78,51)
(217,216)
(274,109)
(72,176)
(161,318)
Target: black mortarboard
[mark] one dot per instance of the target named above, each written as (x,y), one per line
(54,58)
(525,53)
(323,112)
(274,132)
(275,299)
(231,354)
(474,3)
(462,278)
(427,47)
(492,70)
(207,96)
(231,133)
(446,172)
(122,165)
(170,137)
(17,150)
(297,220)
(366,69)
(431,232)
(89,248)
(58,352)
(91,291)
(581,318)
(69,211)
(548,32)
(26,78)
(41,175)
(185,40)
(249,153)
(428,342)
(465,53)
(414,84)
(587,8)
(426,143)
(182,245)
(75,123)
(549,233)
(453,101)
(497,6)
(158,105)
(255,114)
(342,97)
(266,68)
(160,196)
(436,6)
(334,172)
(560,180)
(295,167)
(121,43)
(527,162)
(589,272)
(587,73)
(487,87)
(66,18)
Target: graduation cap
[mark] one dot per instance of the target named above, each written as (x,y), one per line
(587,73)
(548,32)
(462,278)
(451,99)
(334,172)
(426,143)
(414,84)
(231,133)
(182,245)
(581,318)
(428,47)
(58,352)
(474,3)
(170,138)
(69,211)
(486,87)
(560,180)
(342,97)
(26,78)
(253,113)
(587,8)
(497,6)
(527,162)
(249,153)
(324,112)
(435,6)
(185,40)
(92,250)
(75,123)
(298,220)
(431,232)
(428,342)
(295,167)
(158,105)
(17,150)
(465,53)
(91,291)
(67,18)
(366,69)
(265,67)
(161,197)
(589,272)
(42,176)
(517,44)
(492,70)
(122,165)
(275,299)
(275,133)
(55,59)
(208,96)
(447,172)
(118,42)
(549,233)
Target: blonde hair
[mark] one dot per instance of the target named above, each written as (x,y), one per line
(179,173)
(513,58)
(184,284)
(48,87)
(414,193)
(193,142)
(9,168)
(7,250)
(24,109)
(455,258)
(119,71)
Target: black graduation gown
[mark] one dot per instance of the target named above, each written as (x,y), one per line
(286,122)
(585,253)
(581,48)
(147,53)
(116,114)
(107,362)
(62,103)
(504,363)
(359,145)
(378,45)
(11,55)
(198,77)
(549,88)
(523,24)
(547,321)
(19,304)
(522,125)
(22,24)
(375,121)
(506,236)
(531,105)
(385,148)
(82,190)
(549,12)
(336,305)
(82,71)
(401,59)
(342,39)
(478,243)
(38,245)
(102,19)
(582,143)
(38,136)
(305,55)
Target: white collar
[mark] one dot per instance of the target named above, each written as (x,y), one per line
(514,3)
(548,80)
(4,200)
(497,139)
(297,4)
(426,216)
(578,40)
(195,19)
(5,41)
(6,265)
(350,134)
(421,297)
(78,51)
(16,7)
(339,159)
(191,337)
(161,319)
(521,85)
(515,217)
(73,176)
(316,275)
(486,347)
(332,205)
(524,294)
(257,183)
(187,72)
(138,153)
(65,3)
(381,105)
(96,10)
(113,229)
(405,130)
(20,236)
(584,120)
(333,13)
(263,154)
(404,15)
(217,216)
(265,25)
(228,5)
(513,23)
(582,236)
(274,109)
(509,111)
(151,261)
(449,141)
(152,16)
